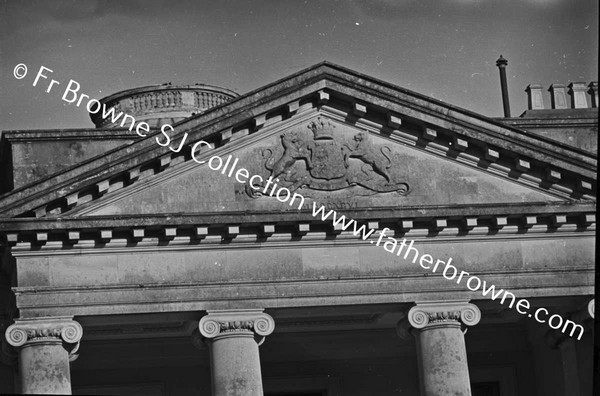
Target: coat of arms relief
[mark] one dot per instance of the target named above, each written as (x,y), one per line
(323,159)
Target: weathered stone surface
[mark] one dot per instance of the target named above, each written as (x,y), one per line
(34,155)
(574,127)
(44,369)
(361,260)
(431,180)
(324,273)
(233,338)
(443,357)
(441,349)
(44,347)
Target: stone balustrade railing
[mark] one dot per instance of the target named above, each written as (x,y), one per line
(162,104)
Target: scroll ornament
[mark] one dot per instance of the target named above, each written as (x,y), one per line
(223,322)
(29,330)
(421,316)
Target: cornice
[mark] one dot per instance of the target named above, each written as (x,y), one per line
(294,229)
(68,134)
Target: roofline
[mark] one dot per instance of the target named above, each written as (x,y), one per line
(324,75)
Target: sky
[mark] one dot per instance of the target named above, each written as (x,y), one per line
(445,49)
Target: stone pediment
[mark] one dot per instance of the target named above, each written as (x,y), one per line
(324,159)
(375,145)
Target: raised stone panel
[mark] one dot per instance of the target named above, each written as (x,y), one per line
(33,271)
(347,171)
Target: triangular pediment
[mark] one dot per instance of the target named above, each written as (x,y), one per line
(389,147)
(319,157)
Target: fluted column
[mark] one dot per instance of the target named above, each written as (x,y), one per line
(46,345)
(233,338)
(441,349)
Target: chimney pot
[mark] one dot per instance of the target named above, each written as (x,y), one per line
(501,62)
(577,92)
(535,99)
(558,96)
(593,91)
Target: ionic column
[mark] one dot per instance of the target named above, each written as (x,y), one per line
(46,345)
(441,349)
(233,338)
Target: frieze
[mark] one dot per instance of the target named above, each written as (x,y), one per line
(320,158)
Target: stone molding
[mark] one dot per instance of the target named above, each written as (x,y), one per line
(430,313)
(63,329)
(198,230)
(230,322)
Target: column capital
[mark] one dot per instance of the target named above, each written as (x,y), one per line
(60,328)
(230,322)
(426,313)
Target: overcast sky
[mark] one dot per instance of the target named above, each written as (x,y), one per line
(445,49)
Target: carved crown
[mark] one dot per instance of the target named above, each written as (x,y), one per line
(321,129)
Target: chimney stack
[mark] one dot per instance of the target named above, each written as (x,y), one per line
(535,99)
(557,96)
(502,63)
(577,92)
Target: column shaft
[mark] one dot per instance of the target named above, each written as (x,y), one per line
(235,366)
(443,361)
(44,368)
(441,348)
(45,345)
(233,338)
